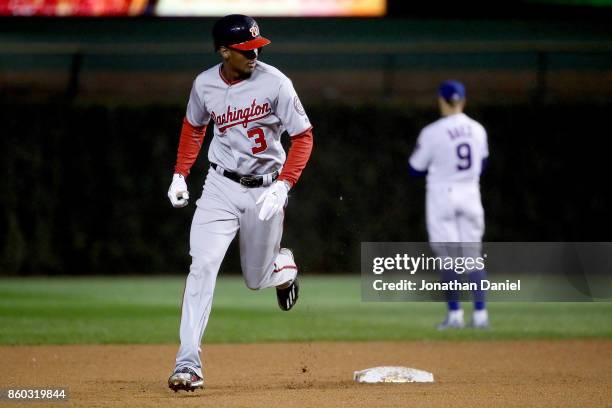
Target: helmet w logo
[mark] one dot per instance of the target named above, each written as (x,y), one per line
(254,30)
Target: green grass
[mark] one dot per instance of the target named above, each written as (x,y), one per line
(147,310)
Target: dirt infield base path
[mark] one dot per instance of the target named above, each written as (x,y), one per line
(509,373)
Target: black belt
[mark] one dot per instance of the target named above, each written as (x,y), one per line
(246,181)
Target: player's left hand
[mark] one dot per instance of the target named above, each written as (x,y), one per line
(273,200)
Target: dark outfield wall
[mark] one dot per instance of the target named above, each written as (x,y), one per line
(83,189)
(151,60)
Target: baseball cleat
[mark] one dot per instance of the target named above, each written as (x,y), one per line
(454,320)
(481,326)
(480,320)
(185,379)
(287,297)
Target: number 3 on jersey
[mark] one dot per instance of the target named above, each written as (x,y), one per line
(464,153)
(259,140)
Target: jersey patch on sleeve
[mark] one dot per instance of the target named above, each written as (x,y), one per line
(297,105)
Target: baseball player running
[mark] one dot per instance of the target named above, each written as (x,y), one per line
(452,152)
(251,105)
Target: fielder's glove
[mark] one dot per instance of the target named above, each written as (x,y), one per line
(273,199)
(177,193)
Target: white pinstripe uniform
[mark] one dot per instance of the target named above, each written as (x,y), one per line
(451,150)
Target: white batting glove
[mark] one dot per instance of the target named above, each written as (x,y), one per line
(177,193)
(273,200)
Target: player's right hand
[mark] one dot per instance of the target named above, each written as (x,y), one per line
(177,193)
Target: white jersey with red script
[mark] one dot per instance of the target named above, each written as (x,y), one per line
(451,151)
(249,116)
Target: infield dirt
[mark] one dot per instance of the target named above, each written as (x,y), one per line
(488,373)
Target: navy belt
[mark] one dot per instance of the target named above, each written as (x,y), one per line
(246,181)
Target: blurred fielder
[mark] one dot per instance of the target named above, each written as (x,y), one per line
(452,152)
(251,105)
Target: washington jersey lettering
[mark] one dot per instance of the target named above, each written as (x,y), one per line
(249,117)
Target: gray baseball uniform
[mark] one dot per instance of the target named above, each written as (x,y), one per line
(249,116)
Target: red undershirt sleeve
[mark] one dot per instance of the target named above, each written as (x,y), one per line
(299,153)
(189,147)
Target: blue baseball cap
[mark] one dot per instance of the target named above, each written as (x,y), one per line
(452,90)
